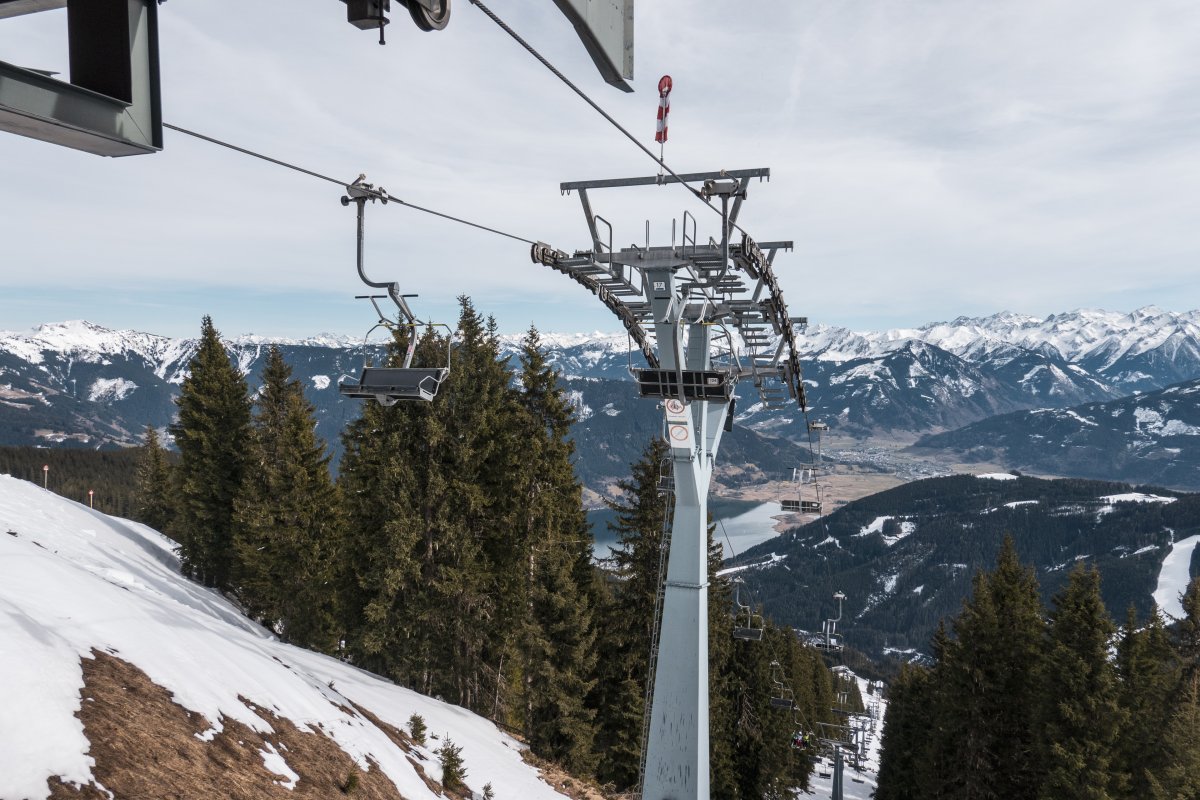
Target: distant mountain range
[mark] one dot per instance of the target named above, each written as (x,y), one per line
(1148,438)
(78,384)
(905,557)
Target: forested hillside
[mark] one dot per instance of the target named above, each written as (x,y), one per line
(905,558)
(111,474)
(1027,699)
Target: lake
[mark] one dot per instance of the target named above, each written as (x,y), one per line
(740,523)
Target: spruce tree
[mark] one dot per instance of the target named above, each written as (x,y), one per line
(722,678)
(377,574)
(1187,630)
(212,433)
(154,502)
(288,518)
(986,674)
(426,584)
(1147,675)
(905,730)
(1179,779)
(624,669)
(559,632)
(1079,708)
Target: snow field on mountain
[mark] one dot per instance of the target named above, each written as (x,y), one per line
(906,529)
(1174,576)
(73,580)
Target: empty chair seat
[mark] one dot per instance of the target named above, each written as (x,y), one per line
(792,505)
(389,384)
(749,634)
(782,702)
(810,507)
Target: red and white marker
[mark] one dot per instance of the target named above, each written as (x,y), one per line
(664,108)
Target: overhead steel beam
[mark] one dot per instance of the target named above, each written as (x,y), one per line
(606,29)
(111,107)
(650,180)
(15,8)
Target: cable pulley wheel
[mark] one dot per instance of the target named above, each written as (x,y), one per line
(427,20)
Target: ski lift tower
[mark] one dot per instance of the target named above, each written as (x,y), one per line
(705,315)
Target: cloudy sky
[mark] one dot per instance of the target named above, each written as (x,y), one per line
(930,158)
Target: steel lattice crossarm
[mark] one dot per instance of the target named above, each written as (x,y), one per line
(727,284)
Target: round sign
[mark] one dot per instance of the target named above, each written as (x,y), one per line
(664,85)
(674,406)
(679,432)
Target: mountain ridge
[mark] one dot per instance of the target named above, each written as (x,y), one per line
(80,384)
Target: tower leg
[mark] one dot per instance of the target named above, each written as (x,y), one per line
(677,749)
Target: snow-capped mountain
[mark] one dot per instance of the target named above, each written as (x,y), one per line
(78,384)
(1149,438)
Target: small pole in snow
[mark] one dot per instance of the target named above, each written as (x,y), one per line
(90,493)
(45,476)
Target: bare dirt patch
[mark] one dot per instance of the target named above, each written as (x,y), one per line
(146,746)
(562,782)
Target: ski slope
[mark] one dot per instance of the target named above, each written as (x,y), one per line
(73,580)
(1174,576)
(856,784)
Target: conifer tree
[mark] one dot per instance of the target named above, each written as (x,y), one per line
(624,670)
(1187,630)
(1147,675)
(1079,708)
(154,506)
(722,678)
(988,675)
(212,433)
(429,502)
(559,633)
(288,518)
(1179,779)
(902,774)
(378,575)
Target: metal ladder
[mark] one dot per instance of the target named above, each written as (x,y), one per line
(664,548)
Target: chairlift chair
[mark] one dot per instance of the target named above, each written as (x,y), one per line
(831,640)
(781,694)
(387,385)
(800,477)
(744,621)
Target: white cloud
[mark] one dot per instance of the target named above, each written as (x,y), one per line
(929,159)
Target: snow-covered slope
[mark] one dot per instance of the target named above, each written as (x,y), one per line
(74,581)
(858,781)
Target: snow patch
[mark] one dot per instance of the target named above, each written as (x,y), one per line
(1134,497)
(320,382)
(875,527)
(275,763)
(582,410)
(997,476)
(109,390)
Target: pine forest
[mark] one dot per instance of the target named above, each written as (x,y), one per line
(453,555)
